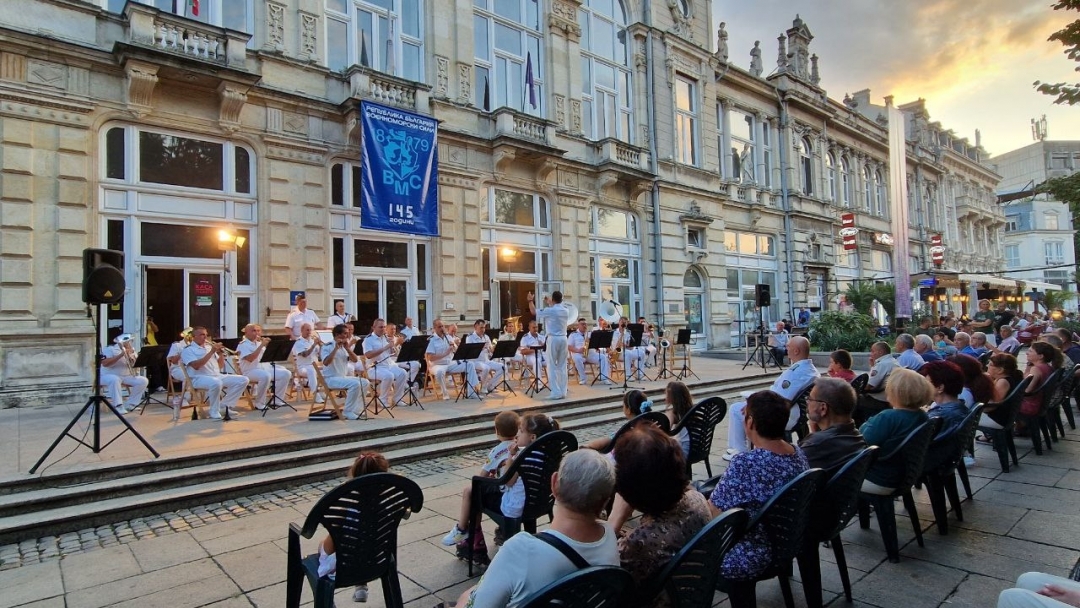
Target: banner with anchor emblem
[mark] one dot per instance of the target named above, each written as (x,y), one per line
(399,171)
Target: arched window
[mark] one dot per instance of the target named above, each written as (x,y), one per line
(868,188)
(830,168)
(845,180)
(806,165)
(605,71)
(508,45)
(694,301)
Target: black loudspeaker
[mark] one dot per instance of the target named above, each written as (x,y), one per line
(988,294)
(103,279)
(762,295)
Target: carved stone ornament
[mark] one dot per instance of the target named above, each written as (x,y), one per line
(563,18)
(141,80)
(465,83)
(560,111)
(309,37)
(275,27)
(442,77)
(46,74)
(232,100)
(575,116)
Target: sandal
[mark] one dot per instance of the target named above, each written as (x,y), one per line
(984,439)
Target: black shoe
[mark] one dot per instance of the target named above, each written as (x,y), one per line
(499,538)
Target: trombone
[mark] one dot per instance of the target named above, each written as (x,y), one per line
(124,341)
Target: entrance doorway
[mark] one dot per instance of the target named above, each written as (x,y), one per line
(380,298)
(178,297)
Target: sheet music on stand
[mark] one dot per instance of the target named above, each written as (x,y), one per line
(600,339)
(150,356)
(275,351)
(504,350)
(537,384)
(413,350)
(468,353)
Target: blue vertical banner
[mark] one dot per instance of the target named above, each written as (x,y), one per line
(399,171)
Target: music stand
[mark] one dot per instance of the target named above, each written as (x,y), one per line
(664,371)
(537,385)
(505,350)
(151,356)
(599,339)
(468,352)
(683,339)
(626,355)
(413,349)
(274,351)
(374,401)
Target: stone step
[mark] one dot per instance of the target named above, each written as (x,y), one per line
(54,506)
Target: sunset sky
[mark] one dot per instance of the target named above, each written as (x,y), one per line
(973,61)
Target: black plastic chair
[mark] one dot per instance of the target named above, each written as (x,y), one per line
(690,577)
(859,382)
(1062,401)
(832,509)
(801,428)
(1003,438)
(784,519)
(1038,425)
(595,587)
(984,359)
(362,517)
(660,419)
(944,459)
(909,455)
(701,423)
(534,467)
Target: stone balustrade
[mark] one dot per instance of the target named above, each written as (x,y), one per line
(366,83)
(615,151)
(514,124)
(172,34)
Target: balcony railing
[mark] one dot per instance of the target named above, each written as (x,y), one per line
(619,152)
(511,123)
(149,27)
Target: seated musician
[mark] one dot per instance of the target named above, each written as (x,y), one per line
(531,344)
(304,352)
(339,361)
(648,342)
(117,371)
(397,338)
(632,358)
(205,360)
(408,330)
(490,372)
(250,351)
(576,343)
(173,357)
(339,316)
(378,350)
(440,360)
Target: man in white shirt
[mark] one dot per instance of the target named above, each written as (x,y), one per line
(338,361)
(408,330)
(576,345)
(631,358)
(555,317)
(250,350)
(304,351)
(298,317)
(204,363)
(116,372)
(484,365)
(339,316)
(873,400)
(532,346)
(778,343)
(377,353)
(440,360)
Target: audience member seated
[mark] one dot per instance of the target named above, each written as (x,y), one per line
(679,404)
(753,477)
(650,476)
(1068,346)
(526,564)
(634,403)
(1042,359)
(977,385)
(840,365)
(1004,372)
(873,399)
(1009,343)
(907,393)
(1038,590)
(905,352)
(924,347)
(833,438)
(790,383)
(778,342)
(948,380)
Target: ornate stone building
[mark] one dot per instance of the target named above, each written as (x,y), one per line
(583,144)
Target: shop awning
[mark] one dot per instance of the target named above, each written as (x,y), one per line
(986,278)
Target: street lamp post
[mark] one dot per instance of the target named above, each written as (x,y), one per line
(228,241)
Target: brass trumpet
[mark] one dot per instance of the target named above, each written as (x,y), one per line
(124,341)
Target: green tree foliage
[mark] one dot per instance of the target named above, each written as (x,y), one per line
(861,295)
(832,329)
(1055,299)
(1069,37)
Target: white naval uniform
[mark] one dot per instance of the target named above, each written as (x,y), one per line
(261,373)
(536,343)
(391,377)
(118,374)
(442,363)
(339,377)
(578,340)
(335,320)
(176,350)
(305,366)
(795,378)
(632,358)
(555,319)
(408,332)
(484,365)
(209,378)
(297,319)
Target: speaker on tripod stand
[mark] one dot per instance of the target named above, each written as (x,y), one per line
(103,283)
(762,299)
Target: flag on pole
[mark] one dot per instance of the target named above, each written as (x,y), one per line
(193,7)
(364,61)
(390,67)
(487,95)
(899,195)
(530,84)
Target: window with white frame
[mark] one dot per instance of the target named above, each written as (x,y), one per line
(846,258)
(615,259)
(607,94)
(695,237)
(868,189)
(765,179)
(1012,256)
(748,243)
(1012,223)
(881,260)
(743,146)
(385,35)
(512,208)
(880,196)
(1055,252)
(686,115)
(345,184)
(158,158)
(847,186)
(508,48)
(720,139)
(1050,220)
(806,165)
(236,15)
(830,170)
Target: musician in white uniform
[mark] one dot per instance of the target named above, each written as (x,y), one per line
(632,358)
(532,345)
(339,316)
(408,330)
(175,351)
(204,364)
(412,368)
(555,317)
(377,353)
(648,342)
(298,317)
(304,352)
(116,371)
(338,361)
(250,351)
(440,360)
(576,345)
(485,366)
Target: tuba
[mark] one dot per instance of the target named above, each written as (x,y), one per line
(611,311)
(125,341)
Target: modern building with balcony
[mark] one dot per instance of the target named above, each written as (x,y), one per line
(613,149)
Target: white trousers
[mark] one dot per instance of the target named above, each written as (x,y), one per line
(495,369)
(457,367)
(556,365)
(594,358)
(354,388)
(1026,595)
(113,387)
(633,359)
(232,385)
(391,382)
(261,377)
(737,432)
(412,369)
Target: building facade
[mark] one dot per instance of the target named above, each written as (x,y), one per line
(613,149)
(1038,239)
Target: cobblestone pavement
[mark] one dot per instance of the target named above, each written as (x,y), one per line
(54,547)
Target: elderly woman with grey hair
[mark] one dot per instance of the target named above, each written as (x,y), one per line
(527,563)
